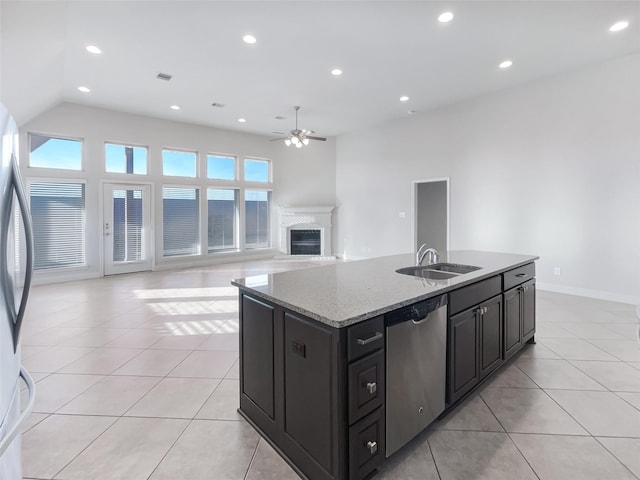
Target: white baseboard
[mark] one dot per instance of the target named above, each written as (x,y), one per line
(585,292)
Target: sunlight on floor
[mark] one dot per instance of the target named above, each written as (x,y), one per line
(207,292)
(194,327)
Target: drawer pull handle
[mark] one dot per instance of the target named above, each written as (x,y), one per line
(373,338)
(372,387)
(373,447)
(520,275)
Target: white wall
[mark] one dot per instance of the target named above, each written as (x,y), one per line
(300,176)
(551,168)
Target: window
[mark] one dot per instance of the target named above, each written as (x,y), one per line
(181,221)
(221,168)
(257,231)
(58,212)
(125,159)
(52,152)
(221,229)
(256,170)
(178,164)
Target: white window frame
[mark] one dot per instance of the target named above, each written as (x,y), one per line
(200,220)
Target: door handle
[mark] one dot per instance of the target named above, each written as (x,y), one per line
(371,387)
(28,237)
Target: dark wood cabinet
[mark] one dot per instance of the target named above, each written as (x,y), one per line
(257,345)
(309,380)
(490,319)
(475,346)
(519,317)
(463,354)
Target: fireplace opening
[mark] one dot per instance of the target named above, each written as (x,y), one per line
(305,242)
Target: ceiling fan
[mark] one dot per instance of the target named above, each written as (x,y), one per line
(298,138)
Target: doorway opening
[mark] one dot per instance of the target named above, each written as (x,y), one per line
(431,222)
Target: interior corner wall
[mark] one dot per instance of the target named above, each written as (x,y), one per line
(300,176)
(551,168)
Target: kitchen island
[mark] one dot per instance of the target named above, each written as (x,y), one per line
(314,349)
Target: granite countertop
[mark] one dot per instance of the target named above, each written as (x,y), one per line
(342,294)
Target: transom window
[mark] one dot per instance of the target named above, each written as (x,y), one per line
(125,159)
(176,163)
(221,167)
(256,170)
(55,152)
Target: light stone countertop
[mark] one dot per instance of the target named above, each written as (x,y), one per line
(342,294)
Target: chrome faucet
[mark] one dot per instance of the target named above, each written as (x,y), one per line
(430,253)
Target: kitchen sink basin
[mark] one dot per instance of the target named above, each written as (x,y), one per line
(438,271)
(452,267)
(426,272)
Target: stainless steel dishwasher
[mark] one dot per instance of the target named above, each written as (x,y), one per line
(416,369)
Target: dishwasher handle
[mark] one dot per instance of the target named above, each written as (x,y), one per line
(417,313)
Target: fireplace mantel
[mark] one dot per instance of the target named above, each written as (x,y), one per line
(306,218)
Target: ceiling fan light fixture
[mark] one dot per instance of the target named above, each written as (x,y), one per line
(287,142)
(299,145)
(295,140)
(305,141)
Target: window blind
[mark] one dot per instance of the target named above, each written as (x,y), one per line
(59,219)
(221,221)
(181,221)
(257,231)
(127,225)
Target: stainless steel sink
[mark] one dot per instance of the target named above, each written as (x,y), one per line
(425,272)
(452,267)
(438,271)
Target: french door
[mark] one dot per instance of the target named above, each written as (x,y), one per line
(127,228)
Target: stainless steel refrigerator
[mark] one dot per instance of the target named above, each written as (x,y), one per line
(16,256)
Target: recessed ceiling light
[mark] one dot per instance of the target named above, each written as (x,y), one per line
(242,120)
(84,89)
(616,27)
(250,39)
(445,17)
(336,72)
(93,49)
(175,107)
(506,64)
(404,98)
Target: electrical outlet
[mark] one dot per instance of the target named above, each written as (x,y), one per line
(402,214)
(557,271)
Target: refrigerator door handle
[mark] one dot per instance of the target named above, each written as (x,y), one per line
(15,430)
(16,316)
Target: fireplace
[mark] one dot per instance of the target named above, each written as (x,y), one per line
(305,231)
(305,242)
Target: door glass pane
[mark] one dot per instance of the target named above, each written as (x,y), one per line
(257,219)
(221,206)
(127,225)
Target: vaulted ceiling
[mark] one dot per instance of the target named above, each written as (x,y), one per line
(386,49)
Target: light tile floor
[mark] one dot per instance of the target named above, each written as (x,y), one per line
(137,378)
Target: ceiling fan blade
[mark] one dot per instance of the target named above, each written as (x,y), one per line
(322,139)
(276,139)
(279,133)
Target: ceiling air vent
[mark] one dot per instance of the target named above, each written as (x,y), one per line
(164,76)
(217,105)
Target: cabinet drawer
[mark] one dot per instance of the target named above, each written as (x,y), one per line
(467,297)
(519,275)
(366,385)
(366,445)
(365,337)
